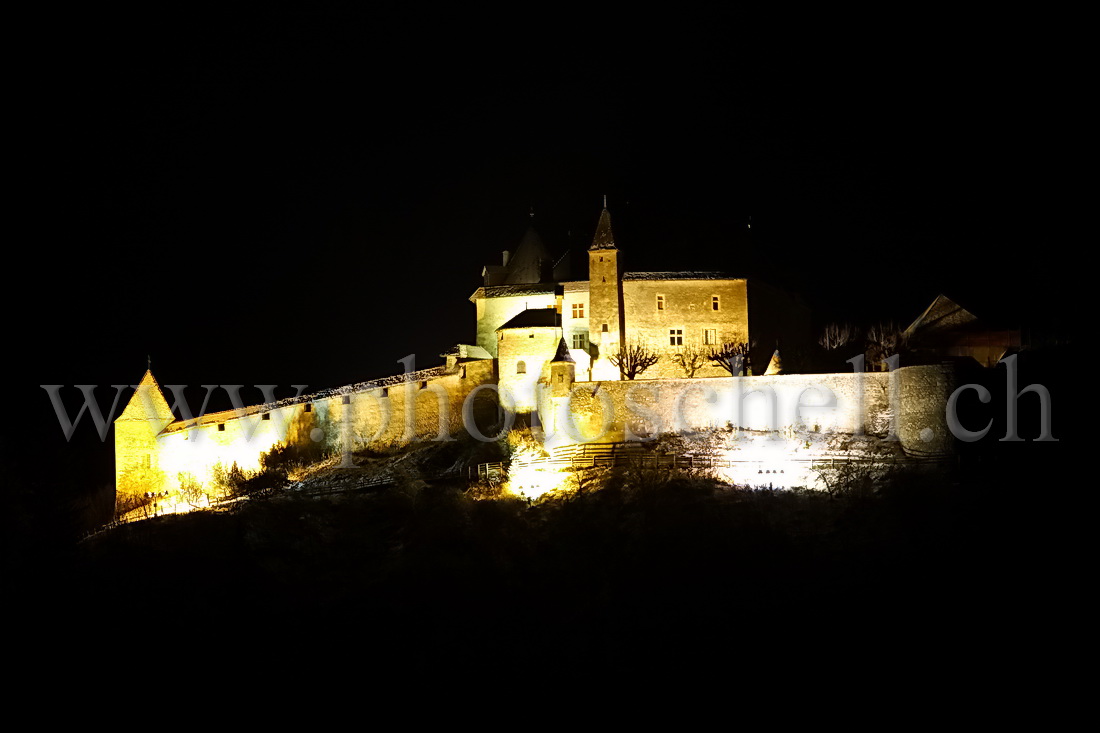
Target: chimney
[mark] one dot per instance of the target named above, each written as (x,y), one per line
(505,264)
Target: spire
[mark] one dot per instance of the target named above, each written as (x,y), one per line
(604,239)
(563,352)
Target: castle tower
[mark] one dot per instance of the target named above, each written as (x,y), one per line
(562,371)
(137,464)
(605,293)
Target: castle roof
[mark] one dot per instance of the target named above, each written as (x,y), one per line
(147,402)
(531,260)
(503,291)
(534,318)
(604,239)
(679,275)
(563,353)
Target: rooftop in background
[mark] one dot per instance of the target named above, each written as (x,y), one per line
(679,275)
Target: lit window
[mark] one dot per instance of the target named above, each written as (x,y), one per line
(521,367)
(714,302)
(660,302)
(710,336)
(580,341)
(578,310)
(676,337)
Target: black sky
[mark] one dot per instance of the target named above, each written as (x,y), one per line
(308,199)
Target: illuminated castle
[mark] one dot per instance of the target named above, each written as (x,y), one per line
(548,346)
(523,311)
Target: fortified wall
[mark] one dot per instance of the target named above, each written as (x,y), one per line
(152,448)
(909,403)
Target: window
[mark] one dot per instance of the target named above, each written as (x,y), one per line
(580,341)
(710,336)
(266,416)
(347,399)
(309,407)
(578,310)
(424,384)
(521,367)
(676,337)
(385,391)
(463,372)
(502,335)
(221,427)
(714,302)
(660,302)
(530,335)
(561,377)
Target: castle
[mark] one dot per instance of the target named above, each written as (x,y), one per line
(553,348)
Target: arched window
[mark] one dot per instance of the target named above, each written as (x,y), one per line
(521,367)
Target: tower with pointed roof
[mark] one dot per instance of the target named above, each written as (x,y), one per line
(605,294)
(137,455)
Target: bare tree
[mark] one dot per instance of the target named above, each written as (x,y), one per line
(733,356)
(691,359)
(633,359)
(836,335)
(190,489)
(883,341)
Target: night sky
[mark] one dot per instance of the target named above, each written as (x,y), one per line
(306,200)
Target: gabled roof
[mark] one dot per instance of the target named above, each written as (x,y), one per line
(534,318)
(942,313)
(604,239)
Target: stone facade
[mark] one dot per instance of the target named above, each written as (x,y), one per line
(672,313)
